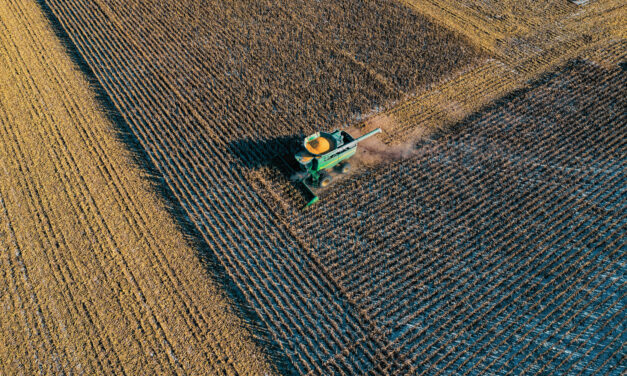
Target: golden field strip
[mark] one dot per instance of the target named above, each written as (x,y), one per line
(95,277)
(524,38)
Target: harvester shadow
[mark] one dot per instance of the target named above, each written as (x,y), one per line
(257,153)
(158,184)
(273,164)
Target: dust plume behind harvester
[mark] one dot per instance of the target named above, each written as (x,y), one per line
(323,156)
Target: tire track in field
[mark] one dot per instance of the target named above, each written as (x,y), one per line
(130,76)
(64,278)
(68,189)
(47,223)
(18,295)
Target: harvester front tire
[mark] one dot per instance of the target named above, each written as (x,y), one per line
(325,181)
(345,168)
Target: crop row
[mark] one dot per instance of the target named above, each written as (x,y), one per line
(423,266)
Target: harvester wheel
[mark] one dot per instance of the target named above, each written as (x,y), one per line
(325,181)
(345,168)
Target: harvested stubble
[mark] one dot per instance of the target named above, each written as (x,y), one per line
(499,249)
(95,277)
(208,89)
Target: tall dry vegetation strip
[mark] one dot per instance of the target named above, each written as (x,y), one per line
(95,277)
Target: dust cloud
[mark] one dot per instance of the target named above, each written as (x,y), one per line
(373,151)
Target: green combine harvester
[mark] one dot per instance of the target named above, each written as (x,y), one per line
(323,153)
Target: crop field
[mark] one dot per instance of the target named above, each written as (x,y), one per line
(509,236)
(180,55)
(95,277)
(481,233)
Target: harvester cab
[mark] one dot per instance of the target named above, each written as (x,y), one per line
(324,153)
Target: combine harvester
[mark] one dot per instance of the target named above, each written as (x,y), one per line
(324,153)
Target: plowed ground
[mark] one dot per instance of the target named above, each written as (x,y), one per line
(95,277)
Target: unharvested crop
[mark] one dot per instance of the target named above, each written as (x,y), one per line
(498,248)
(524,42)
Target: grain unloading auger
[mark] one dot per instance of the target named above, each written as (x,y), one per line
(325,152)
